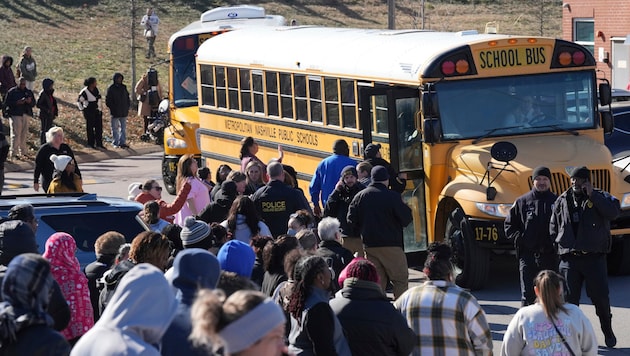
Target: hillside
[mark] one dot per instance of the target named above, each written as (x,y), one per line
(73,40)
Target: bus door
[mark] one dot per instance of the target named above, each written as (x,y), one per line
(390,116)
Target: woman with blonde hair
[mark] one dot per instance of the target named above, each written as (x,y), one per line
(254,173)
(247,323)
(550,326)
(197,198)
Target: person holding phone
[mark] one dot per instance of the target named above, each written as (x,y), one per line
(580,227)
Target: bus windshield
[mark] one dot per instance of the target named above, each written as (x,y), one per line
(183,69)
(517,105)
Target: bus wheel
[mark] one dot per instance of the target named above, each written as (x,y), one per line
(471,262)
(619,256)
(169,177)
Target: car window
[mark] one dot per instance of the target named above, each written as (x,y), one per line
(622,121)
(86,228)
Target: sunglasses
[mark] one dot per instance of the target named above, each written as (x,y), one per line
(159,189)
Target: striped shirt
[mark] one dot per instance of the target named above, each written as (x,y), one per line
(446,319)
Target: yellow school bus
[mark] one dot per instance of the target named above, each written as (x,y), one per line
(181,137)
(444,106)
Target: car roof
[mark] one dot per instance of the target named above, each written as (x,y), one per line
(84,201)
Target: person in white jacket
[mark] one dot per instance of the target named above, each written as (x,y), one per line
(550,326)
(150,23)
(243,220)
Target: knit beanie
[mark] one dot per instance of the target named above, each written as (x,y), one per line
(238,257)
(60,161)
(194,231)
(349,170)
(541,171)
(581,172)
(22,212)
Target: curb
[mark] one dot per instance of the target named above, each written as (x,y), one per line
(92,156)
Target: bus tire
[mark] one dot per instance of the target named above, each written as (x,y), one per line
(169,178)
(619,256)
(471,262)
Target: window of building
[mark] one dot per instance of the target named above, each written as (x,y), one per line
(584,33)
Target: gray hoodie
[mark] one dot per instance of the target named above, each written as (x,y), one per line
(136,317)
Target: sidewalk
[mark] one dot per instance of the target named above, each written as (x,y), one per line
(85,155)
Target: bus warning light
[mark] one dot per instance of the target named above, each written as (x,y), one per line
(448,68)
(565,58)
(512,41)
(578,58)
(462,66)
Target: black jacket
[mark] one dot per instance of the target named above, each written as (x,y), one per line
(528,222)
(379,215)
(117,98)
(16,94)
(371,323)
(218,209)
(47,103)
(94,271)
(45,167)
(337,257)
(593,229)
(111,283)
(338,203)
(37,340)
(58,307)
(396,184)
(275,202)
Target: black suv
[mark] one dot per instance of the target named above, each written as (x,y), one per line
(618,142)
(82,215)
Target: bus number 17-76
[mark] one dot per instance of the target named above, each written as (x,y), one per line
(486,233)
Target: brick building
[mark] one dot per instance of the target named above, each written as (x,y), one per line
(602,26)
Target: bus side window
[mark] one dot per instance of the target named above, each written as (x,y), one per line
(315,95)
(246,90)
(348,103)
(286,94)
(301,106)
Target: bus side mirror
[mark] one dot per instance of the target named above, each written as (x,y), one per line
(430,104)
(605,94)
(608,123)
(431,130)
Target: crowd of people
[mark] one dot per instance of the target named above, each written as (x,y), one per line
(245,264)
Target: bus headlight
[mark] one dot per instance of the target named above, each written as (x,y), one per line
(625,201)
(500,210)
(173,142)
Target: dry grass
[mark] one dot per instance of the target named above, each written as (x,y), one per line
(72,42)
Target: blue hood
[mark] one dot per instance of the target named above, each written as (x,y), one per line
(194,269)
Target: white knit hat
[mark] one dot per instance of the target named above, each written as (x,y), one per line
(134,189)
(60,162)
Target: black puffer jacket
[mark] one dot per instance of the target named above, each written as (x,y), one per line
(117,98)
(528,222)
(593,230)
(371,323)
(379,215)
(338,203)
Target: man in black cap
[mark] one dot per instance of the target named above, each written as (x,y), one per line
(338,203)
(580,226)
(327,174)
(372,154)
(25,213)
(379,216)
(528,226)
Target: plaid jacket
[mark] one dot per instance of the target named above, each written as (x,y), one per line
(447,320)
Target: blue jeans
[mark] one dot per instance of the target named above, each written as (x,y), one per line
(119,131)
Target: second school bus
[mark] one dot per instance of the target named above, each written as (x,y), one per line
(443,106)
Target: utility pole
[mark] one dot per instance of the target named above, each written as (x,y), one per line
(133,46)
(391,15)
(422,13)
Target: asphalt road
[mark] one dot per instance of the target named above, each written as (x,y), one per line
(500,299)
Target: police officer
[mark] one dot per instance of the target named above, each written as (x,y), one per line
(276,201)
(528,226)
(580,226)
